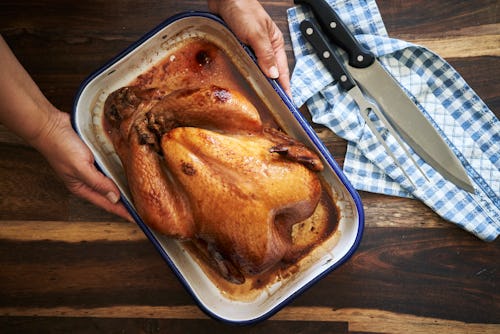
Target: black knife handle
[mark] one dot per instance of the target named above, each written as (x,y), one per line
(337,31)
(313,34)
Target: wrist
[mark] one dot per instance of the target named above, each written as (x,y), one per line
(43,138)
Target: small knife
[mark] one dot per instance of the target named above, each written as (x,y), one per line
(411,124)
(313,34)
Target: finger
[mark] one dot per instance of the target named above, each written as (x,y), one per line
(264,51)
(101,191)
(101,184)
(103,202)
(284,77)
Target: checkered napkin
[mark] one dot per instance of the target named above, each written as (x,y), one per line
(463,120)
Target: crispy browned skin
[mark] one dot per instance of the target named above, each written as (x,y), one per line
(210,107)
(160,201)
(244,198)
(228,182)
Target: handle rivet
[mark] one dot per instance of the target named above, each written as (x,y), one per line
(343,78)
(326,54)
(333,24)
(309,31)
(360,58)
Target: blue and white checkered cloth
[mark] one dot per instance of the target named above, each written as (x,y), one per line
(459,115)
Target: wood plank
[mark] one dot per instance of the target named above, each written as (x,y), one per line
(399,212)
(424,17)
(463,47)
(478,73)
(41,274)
(28,184)
(70,232)
(316,318)
(31,190)
(394,269)
(439,273)
(377,321)
(160,325)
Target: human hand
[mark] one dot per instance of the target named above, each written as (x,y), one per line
(253,26)
(72,160)
(26,112)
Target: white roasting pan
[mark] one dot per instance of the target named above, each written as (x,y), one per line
(137,59)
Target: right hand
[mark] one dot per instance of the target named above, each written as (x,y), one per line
(253,26)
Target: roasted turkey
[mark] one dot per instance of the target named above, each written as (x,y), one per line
(201,166)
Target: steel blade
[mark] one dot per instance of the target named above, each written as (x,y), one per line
(410,123)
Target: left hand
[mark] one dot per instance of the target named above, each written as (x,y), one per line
(72,160)
(26,112)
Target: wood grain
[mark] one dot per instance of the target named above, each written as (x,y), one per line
(311,319)
(67,266)
(400,274)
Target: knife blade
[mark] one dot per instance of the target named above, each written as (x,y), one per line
(403,113)
(334,64)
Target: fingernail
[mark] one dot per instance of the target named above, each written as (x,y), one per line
(112,197)
(273,72)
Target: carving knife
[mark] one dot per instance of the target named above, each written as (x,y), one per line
(404,115)
(313,34)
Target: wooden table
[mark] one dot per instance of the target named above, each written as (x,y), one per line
(67,266)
